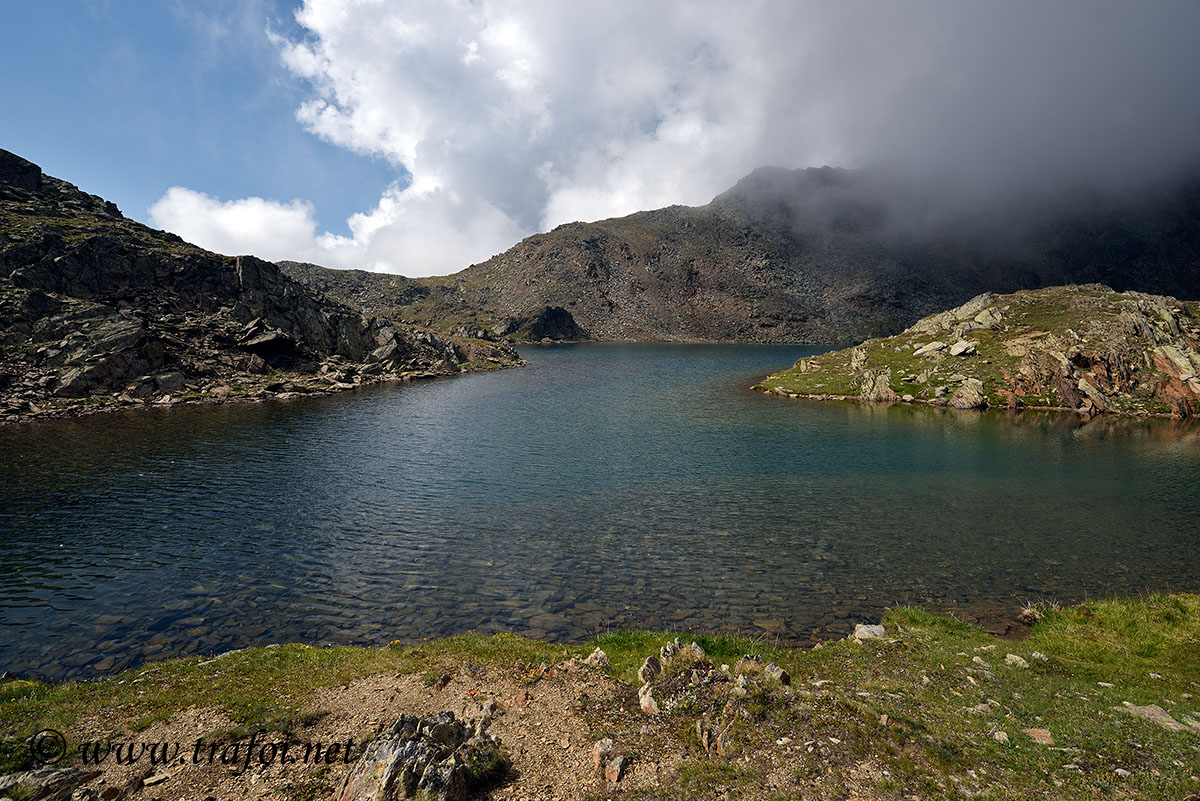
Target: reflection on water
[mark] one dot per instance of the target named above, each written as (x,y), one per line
(602,486)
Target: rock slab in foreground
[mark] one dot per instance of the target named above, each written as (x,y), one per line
(436,758)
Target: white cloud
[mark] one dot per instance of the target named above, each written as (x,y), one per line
(414,232)
(265,228)
(514,117)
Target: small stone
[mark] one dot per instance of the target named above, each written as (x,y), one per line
(441,683)
(907,398)
(1106,684)
(979,661)
(696,651)
(1122,773)
(749,663)
(1039,656)
(705,735)
(598,659)
(646,700)
(1040,736)
(600,752)
(1000,737)
(931,347)
(614,771)
(650,670)
(862,631)
(1015,661)
(773,671)
(1157,714)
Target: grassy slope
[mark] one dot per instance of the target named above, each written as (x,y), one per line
(900,706)
(1028,313)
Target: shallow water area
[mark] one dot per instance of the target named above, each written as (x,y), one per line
(602,486)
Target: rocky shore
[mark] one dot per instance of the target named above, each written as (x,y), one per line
(99,312)
(1085,348)
(1097,700)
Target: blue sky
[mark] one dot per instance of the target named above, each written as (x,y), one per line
(420,136)
(126,99)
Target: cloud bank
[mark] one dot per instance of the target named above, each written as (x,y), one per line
(502,119)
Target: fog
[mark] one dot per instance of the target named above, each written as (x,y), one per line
(501,120)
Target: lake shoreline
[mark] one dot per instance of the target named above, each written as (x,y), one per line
(93,405)
(919,704)
(1085,415)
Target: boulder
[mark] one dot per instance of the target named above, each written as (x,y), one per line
(646,700)
(614,771)
(773,671)
(434,758)
(931,347)
(875,385)
(600,752)
(599,659)
(650,670)
(969,395)
(863,631)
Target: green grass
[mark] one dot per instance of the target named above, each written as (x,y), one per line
(1054,312)
(918,706)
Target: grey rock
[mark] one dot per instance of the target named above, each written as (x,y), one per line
(599,659)
(650,670)
(969,395)
(875,385)
(436,758)
(931,347)
(863,631)
(600,752)
(773,671)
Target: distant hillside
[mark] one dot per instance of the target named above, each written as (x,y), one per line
(817,256)
(98,311)
(1086,348)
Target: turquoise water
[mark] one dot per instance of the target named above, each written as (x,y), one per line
(602,486)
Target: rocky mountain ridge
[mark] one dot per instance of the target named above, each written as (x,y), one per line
(811,256)
(98,312)
(1083,348)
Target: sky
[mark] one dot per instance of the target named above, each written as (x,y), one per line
(419,137)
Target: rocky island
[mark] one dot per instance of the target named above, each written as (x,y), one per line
(1084,348)
(100,312)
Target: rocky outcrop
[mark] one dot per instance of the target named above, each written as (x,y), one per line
(547,324)
(437,758)
(1085,348)
(818,256)
(97,311)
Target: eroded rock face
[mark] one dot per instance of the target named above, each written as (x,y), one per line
(98,308)
(437,757)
